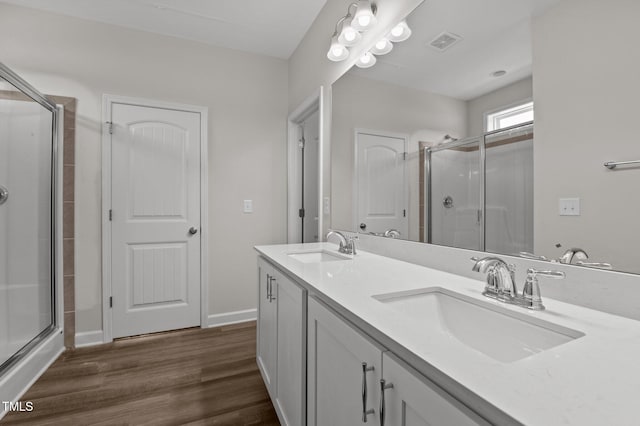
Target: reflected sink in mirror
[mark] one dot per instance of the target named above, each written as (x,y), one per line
(317,256)
(499,333)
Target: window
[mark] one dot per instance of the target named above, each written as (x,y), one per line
(510,116)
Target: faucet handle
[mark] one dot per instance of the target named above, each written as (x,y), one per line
(352,244)
(531,291)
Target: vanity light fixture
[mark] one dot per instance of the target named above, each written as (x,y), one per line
(349,27)
(367,60)
(364,17)
(337,52)
(382,47)
(349,36)
(400,32)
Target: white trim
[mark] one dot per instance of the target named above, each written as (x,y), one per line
(216,320)
(89,338)
(107,101)
(22,376)
(354,198)
(313,103)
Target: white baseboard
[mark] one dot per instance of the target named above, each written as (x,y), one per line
(96,337)
(227,318)
(89,338)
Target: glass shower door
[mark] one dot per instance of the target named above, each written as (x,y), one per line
(454,195)
(509,191)
(26,230)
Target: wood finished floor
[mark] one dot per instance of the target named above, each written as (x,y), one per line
(194,376)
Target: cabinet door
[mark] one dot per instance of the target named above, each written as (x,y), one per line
(291,364)
(413,400)
(336,390)
(267,341)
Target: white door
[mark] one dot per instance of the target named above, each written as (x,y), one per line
(155,191)
(343,372)
(381,184)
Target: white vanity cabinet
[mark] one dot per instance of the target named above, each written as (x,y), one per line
(336,381)
(267,339)
(343,372)
(281,342)
(410,399)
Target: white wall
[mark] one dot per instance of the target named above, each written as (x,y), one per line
(368,104)
(587,114)
(247,101)
(518,91)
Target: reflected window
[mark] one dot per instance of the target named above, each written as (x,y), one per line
(510,116)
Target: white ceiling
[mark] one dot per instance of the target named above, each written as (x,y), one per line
(273,27)
(496,36)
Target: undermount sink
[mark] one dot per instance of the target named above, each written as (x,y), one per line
(317,256)
(499,333)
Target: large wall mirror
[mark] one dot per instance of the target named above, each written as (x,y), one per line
(489,128)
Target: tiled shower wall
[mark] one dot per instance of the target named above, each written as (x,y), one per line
(68,218)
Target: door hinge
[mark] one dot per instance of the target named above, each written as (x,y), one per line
(110,124)
(301,213)
(110,215)
(404,213)
(404,156)
(111,301)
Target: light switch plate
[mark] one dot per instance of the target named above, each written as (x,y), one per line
(327,205)
(248,206)
(569,206)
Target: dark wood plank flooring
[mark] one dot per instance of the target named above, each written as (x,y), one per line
(194,376)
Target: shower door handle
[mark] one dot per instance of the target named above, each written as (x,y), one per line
(193,230)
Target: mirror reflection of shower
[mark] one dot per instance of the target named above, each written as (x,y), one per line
(491,180)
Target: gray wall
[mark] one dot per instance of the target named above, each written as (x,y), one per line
(247,99)
(586,68)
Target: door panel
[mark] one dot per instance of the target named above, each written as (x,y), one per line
(413,400)
(335,378)
(381,184)
(267,338)
(155,201)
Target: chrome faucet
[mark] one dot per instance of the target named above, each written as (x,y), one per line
(501,282)
(573,254)
(347,245)
(531,292)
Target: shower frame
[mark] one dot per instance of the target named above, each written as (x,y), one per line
(482,141)
(24,366)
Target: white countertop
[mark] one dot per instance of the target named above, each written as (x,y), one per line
(593,380)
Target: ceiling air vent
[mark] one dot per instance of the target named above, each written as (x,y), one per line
(444,41)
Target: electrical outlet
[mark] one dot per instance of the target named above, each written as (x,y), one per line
(327,205)
(248,206)
(569,206)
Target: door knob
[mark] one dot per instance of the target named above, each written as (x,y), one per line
(363,226)
(193,230)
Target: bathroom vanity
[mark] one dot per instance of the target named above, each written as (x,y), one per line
(348,339)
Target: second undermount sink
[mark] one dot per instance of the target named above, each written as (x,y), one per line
(499,333)
(317,256)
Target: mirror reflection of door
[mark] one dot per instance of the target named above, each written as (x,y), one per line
(308,143)
(381,202)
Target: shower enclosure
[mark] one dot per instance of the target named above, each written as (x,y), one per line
(28,163)
(479,192)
